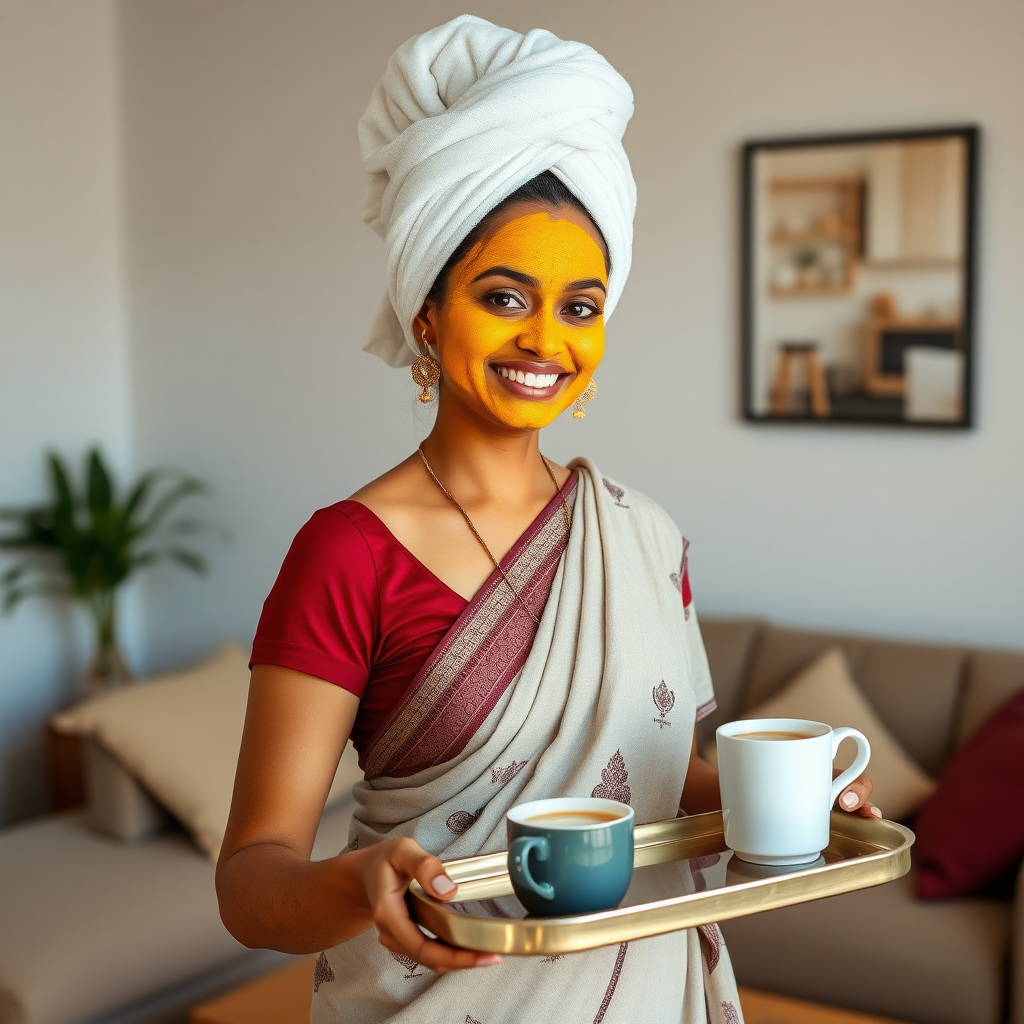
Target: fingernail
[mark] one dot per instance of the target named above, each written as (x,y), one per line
(848,800)
(442,885)
(488,961)
(875,811)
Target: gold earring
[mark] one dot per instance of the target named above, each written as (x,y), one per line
(588,393)
(426,371)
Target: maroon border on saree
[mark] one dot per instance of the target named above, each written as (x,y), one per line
(476,661)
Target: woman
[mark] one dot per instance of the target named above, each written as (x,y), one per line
(488,627)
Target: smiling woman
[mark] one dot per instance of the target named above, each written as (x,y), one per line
(486,626)
(518,324)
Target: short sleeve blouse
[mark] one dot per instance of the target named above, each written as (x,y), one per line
(353,606)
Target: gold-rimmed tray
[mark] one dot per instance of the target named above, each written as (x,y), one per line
(684,876)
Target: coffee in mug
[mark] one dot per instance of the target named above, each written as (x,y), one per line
(775,776)
(574,818)
(570,855)
(770,735)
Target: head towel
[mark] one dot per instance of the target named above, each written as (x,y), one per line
(464,115)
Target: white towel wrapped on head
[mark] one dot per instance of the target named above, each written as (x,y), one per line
(464,115)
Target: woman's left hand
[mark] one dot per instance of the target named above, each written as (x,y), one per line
(854,799)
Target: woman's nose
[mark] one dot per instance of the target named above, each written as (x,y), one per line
(541,334)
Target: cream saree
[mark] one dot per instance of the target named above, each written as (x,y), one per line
(598,699)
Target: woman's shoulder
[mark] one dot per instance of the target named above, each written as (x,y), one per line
(651,517)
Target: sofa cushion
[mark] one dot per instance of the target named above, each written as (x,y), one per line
(915,689)
(881,951)
(992,678)
(971,832)
(90,924)
(825,692)
(179,735)
(118,805)
(730,647)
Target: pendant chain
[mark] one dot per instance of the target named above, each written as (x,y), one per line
(476,533)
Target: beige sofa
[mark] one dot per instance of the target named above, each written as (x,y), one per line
(882,950)
(93,929)
(97,930)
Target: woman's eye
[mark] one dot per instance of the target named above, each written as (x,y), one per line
(506,300)
(581,310)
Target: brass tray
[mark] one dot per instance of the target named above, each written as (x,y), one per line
(683,876)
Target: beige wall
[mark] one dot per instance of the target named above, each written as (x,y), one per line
(63,358)
(254,278)
(251,279)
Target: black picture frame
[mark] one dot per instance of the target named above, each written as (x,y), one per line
(970,134)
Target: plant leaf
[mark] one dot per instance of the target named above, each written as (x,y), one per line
(185,488)
(65,505)
(46,588)
(183,556)
(100,491)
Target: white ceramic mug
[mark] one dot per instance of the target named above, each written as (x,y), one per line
(777,792)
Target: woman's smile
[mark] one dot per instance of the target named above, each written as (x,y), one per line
(531,380)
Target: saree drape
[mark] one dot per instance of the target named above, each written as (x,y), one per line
(600,698)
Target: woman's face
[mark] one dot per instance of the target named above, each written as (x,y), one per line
(521,329)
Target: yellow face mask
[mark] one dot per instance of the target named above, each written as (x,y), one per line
(522,326)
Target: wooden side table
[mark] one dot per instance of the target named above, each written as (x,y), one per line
(285,997)
(807,352)
(768,1008)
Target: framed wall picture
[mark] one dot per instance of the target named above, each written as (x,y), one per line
(858,278)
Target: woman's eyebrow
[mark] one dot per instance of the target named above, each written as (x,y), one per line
(530,282)
(588,282)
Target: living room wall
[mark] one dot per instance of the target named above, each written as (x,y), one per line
(253,280)
(233,349)
(63,356)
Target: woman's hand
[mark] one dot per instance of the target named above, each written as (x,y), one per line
(386,870)
(854,799)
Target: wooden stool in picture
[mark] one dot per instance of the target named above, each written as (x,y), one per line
(804,353)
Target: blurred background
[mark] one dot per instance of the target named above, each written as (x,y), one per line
(185,279)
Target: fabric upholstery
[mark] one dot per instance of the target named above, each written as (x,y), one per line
(118,805)
(971,832)
(915,689)
(825,692)
(1017,954)
(179,735)
(90,924)
(730,645)
(992,678)
(881,951)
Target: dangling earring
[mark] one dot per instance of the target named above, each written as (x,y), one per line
(588,393)
(426,371)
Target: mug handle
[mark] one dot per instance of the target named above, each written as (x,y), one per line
(519,855)
(860,762)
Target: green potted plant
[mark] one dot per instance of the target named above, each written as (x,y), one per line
(85,544)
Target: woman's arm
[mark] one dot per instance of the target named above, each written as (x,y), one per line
(700,791)
(271,895)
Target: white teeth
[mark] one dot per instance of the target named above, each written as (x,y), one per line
(531,380)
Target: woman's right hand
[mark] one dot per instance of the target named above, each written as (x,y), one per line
(386,871)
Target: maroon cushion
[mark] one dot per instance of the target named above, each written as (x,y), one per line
(971,831)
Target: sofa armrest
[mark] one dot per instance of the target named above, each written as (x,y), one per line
(1017,953)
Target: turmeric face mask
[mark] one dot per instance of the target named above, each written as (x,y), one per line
(521,329)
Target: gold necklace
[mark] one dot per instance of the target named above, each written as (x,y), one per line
(476,533)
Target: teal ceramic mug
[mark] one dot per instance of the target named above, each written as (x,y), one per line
(570,855)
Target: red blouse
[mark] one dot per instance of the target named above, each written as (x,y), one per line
(353,606)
